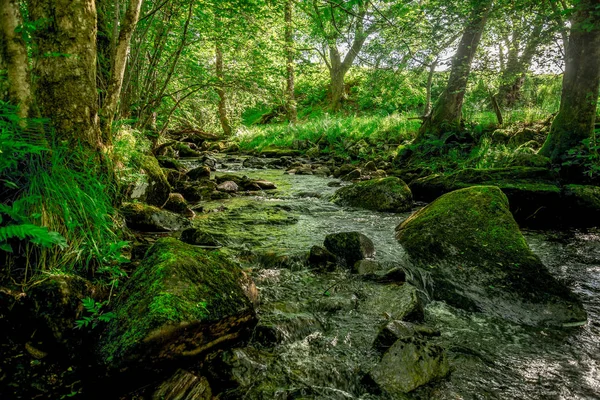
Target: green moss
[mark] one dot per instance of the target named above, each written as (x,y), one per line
(175,283)
(385,194)
(472,225)
(159,189)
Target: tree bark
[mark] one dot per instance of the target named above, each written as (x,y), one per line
(432,67)
(118,64)
(513,76)
(222,106)
(14,54)
(447,111)
(581,82)
(289,50)
(65,68)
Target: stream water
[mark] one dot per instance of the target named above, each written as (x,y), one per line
(316,330)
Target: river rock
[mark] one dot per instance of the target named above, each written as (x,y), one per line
(386,194)
(259,184)
(177,204)
(198,237)
(582,205)
(471,246)
(350,247)
(409,363)
(352,175)
(210,162)
(321,258)
(55,304)
(228,187)
(394,330)
(143,217)
(366,267)
(396,301)
(195,191)
(181,302)
(198,173)
(255,163)
(183,385)
(153,187)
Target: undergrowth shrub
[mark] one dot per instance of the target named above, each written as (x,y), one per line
(56,204)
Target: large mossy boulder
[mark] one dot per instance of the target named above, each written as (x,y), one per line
(180,302)
(470,244)
(534,193)
(385,194)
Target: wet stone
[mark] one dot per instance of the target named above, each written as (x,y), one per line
(183,385)
(350,247)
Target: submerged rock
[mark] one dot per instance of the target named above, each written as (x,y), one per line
(385,194)
(366,267)
(471,246)
(394,330)
(321,258)
(143,217)
(350,247)
(199,237)
(409,363)
(399,302)
(183,385)
(180,302)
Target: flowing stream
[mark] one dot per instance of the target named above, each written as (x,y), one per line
(316,329)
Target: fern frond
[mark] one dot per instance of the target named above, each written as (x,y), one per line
(36,234)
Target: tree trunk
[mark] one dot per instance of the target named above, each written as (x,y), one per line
(447,111)
(432,67)
(289,50)
(14,53)
(581,82)
(222,107)
(117,71)
(65,68)
(513,76)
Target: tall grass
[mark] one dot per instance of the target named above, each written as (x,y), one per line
(334,131)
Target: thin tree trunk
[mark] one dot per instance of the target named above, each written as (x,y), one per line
(447,112)
(65,68)
(581,82)
(222,106)
(14,53)
(432,67)
(497,109)
(289,50)
(119,62)
(513,76)
(336,74)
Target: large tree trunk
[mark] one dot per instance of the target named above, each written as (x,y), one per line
(65,68)
(577,115)
(119,61)
(222,106)
(447,111)
(14,54)
(289,51)
(337,73)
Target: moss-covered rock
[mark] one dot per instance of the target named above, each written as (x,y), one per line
(349,247)
(582,205)
(411,362)
(183,385)
(170,163)
(143,217)
(177,204)
(398,301)
(386,194)
(179,303)
(198,173)
(55,305)
(534,193)
(153,188)
(478,259)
